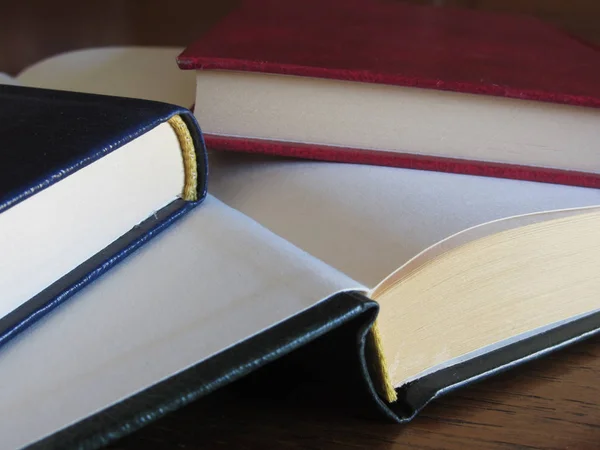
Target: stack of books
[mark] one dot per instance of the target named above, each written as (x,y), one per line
(425,178)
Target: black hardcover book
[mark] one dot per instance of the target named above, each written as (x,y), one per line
(423,281)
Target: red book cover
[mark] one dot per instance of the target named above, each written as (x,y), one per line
(395,43)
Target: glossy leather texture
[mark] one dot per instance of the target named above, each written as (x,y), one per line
(45,135)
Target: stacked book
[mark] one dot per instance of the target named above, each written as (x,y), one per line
(426,179)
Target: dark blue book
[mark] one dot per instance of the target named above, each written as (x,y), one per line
(85,180)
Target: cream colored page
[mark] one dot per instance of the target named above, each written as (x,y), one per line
(470,235)
(209,281)
(367,221)
(396,118)
(493,295)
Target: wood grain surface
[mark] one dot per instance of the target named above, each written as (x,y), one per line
(550,403)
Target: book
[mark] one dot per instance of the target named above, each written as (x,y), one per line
(284,254)
(392,83)
(84,181)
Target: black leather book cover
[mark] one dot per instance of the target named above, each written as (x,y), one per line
(326,345)
(47,135)
(342,320)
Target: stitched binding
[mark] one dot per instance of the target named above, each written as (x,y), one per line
(188,152)
(377,361)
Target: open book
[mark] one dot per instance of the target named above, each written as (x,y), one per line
(471,275)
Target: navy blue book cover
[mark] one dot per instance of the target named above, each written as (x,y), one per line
(48,135)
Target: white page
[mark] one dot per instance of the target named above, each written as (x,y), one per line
(367,221)
(211,280)
(7,79)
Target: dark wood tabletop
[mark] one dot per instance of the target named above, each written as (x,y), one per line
(549,403)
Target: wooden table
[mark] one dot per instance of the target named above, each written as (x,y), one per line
(552,403)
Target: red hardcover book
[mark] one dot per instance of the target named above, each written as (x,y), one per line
(390,83)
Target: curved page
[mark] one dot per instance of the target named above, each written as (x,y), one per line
(367,221)
(470,235)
